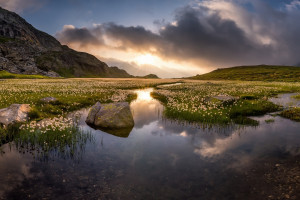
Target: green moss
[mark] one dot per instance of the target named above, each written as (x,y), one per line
(226,113)
(252,108)
(268,121)
(293,114)
(159,97)
(34,114)
(7,75)
(67,143)
(296,97)
(194,101)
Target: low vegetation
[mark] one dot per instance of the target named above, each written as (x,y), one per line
(214,102)
(7,75)
(292,113)
(198,101)
(71,94)
(57,137)
(254,73)
(297,97)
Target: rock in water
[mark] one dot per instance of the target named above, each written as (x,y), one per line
(110,116)
(14,114)
(92,114)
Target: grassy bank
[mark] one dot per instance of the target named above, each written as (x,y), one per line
(72,94)
(198,100)
(293,114)
(57,137)
(191,101)
(7,75)
(254,73)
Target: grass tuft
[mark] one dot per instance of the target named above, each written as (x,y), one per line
(293,114)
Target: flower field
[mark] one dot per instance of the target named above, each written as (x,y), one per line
(199,100)
(215,102)
(72,94)
(57,134)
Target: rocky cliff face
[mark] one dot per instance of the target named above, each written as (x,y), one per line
(26,50)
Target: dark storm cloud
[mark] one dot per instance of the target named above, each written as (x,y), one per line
(133,37)
(202,34)
(198,35)
(82,36)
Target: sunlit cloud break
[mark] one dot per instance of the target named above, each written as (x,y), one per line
(204,35)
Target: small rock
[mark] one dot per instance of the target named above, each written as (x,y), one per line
(224,98)
(14,113)
(49,100)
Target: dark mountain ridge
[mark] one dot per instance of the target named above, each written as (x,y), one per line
(26,50)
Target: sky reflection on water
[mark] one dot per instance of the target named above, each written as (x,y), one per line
(160,159)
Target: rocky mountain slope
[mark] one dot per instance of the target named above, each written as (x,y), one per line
(26,50)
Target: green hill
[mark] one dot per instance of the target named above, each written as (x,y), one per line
(149,76)
(253,73)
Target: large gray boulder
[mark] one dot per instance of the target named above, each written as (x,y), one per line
(14,113)
(110,116)
(92,113)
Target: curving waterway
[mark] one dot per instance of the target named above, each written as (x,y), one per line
(163,159)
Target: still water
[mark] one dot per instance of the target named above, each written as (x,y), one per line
(163,159)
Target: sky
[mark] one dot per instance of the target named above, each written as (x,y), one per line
(171,38)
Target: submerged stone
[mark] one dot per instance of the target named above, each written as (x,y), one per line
(110,116)
(14,114)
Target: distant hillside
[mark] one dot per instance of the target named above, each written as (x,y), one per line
(253,73)
(149,76)
(26,50)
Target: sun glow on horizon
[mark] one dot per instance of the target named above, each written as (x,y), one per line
(146,59)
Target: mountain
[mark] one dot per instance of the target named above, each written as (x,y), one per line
(253,73)
(26,50)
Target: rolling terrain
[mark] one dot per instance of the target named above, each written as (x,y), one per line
(254,73)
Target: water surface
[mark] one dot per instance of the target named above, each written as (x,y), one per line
(162,159)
